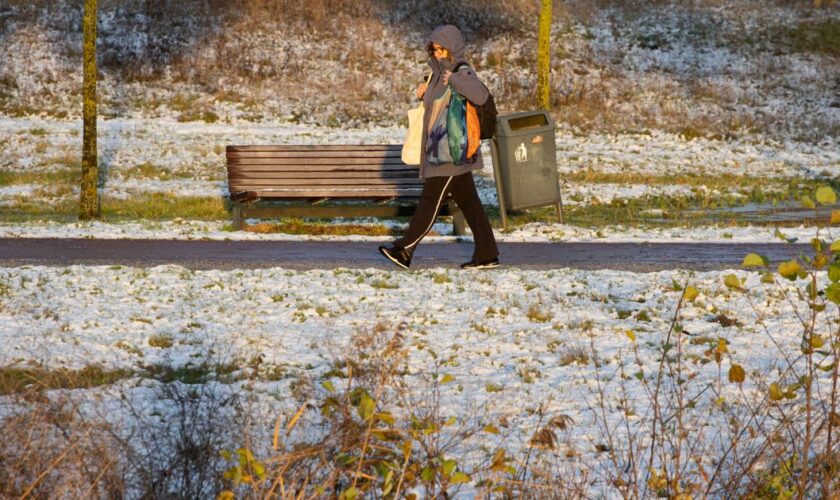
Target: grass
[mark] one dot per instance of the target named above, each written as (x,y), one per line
(14,379)
(302,226)
(821,37)
(149,206)
(161,341)
(63,176)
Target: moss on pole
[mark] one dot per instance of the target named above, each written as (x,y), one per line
(544,57)
(89,200)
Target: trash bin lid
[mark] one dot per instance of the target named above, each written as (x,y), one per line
(525,122)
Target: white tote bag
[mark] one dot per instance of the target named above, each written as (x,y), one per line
(414,138)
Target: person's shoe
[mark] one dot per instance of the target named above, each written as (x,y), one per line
(399,256)
(486,264)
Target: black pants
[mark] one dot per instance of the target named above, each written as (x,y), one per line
(462,189)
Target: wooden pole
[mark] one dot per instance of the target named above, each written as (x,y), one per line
(544,57)
(89,202)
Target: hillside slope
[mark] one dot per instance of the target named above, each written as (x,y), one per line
(714,69)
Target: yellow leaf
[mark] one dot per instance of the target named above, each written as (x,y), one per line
(768,278)
(789,269)
(446,378)
(295,418)
(731,281)
(690,293)
(631,335)
(721,347)
(835,216)
(807,202)
(737,374)
(491,429)
(385,417)
(226,495)
(835,247)
(826,195)
(817,341)
(820,261)
(776,393)
(754,260)
(459,478)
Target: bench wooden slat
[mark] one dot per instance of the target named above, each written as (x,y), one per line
(334,193)
(323,168)
(370,162)
(327,182)
(314,147)
(245,175)
(396,155)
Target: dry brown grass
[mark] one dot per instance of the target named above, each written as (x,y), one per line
(50,449)
(299,226)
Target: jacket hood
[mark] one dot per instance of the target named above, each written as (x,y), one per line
(450,38)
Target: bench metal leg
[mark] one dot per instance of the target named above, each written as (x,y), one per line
(237,217)
(500,195)
(459,223)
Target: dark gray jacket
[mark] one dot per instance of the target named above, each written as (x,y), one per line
(465,82)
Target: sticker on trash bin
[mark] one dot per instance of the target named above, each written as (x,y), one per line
(521,153)
(537,139)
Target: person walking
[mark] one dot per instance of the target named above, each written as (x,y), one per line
(446,49)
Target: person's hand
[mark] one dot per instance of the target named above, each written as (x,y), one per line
(421,90)
(446,75)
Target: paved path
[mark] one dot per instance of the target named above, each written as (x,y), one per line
(328,255)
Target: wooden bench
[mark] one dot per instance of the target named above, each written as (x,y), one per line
(324,181)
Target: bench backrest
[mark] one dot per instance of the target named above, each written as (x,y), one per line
(320,171)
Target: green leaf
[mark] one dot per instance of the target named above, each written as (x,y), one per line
(826,195)
(731,281)
(349,494)
(832,293)
(385,417)
(755,260)
(326,384)
(776,393)
(459,478)
(690,293)
(827,368)
(449,467)
(737,374)
(446,379)
(817,341)
(367,406)
(807,202)
(768,278)
(789,269)
(835,247)
(428,474)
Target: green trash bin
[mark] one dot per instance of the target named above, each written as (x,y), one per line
(525,163)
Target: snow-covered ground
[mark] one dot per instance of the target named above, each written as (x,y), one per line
(512,340)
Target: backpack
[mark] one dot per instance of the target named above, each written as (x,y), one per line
(486,112)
